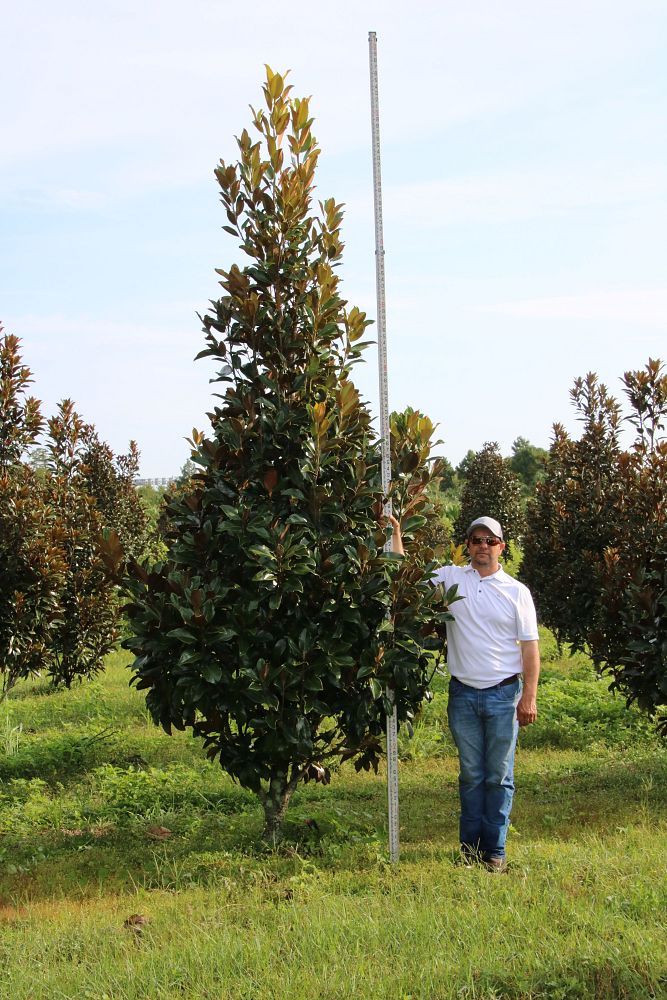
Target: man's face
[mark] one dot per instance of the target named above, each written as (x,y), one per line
(484,557)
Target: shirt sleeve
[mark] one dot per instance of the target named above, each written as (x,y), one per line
(526,617)
(447,575)
(444,575)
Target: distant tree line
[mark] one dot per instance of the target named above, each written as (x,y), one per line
(595,547)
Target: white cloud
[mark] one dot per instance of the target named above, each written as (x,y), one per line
(646,307)
(97,332)
(516,195)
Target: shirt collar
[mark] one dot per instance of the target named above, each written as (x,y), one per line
(498,575)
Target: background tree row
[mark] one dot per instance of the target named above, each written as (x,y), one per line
(59,609)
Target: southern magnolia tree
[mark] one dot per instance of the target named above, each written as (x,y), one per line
(110,479)
(86,629)
(59,608)
(276,623)
(30,551)
(596,545)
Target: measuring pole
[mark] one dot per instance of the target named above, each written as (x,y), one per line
(392,727)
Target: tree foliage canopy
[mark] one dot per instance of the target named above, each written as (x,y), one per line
(30,551)
(276,622)
(596,544)
(84,631)
(21,420)
(416,478)
(58,606)
(527,462)
(491,488)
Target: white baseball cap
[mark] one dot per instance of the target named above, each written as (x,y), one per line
(486,522)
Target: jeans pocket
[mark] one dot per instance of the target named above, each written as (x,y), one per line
(510,692)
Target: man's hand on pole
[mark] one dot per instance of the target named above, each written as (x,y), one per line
(396,537)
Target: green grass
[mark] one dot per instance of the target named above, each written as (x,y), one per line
(102,816)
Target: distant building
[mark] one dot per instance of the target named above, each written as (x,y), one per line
(157,482)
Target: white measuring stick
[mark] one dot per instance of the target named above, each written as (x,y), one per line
(392,727)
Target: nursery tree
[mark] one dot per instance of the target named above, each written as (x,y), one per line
(464,465)
(276,622)
(20,417)
(527,462)
(30,553)
(86,627)
(595,550)
(570,522)
(59,607)
(491,488)
(109,479)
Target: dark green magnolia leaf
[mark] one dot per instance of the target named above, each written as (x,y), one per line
(261,552)
(413,523)
(183,635)
(211,672)
(313,683)
(188,656)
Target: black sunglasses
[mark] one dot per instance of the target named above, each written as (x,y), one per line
(484,539)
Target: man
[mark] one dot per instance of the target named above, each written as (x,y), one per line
(490,644)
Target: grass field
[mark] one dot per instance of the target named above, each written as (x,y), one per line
(104,819)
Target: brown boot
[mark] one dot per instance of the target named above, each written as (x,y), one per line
(497,865)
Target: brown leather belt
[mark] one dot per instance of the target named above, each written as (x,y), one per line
(508,680)
(500,684)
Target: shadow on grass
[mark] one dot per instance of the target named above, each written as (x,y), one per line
(139,828)
(62,759)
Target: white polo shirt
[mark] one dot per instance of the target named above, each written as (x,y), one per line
(495,613)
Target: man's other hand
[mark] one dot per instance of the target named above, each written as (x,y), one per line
(526,710)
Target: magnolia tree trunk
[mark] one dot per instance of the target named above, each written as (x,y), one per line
(275,801)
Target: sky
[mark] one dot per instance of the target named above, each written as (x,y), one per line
(524,191)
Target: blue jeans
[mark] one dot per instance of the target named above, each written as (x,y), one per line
(485,728)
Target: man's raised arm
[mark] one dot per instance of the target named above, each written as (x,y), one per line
(396,537)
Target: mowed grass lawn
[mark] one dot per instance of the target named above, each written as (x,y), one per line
(131,867)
